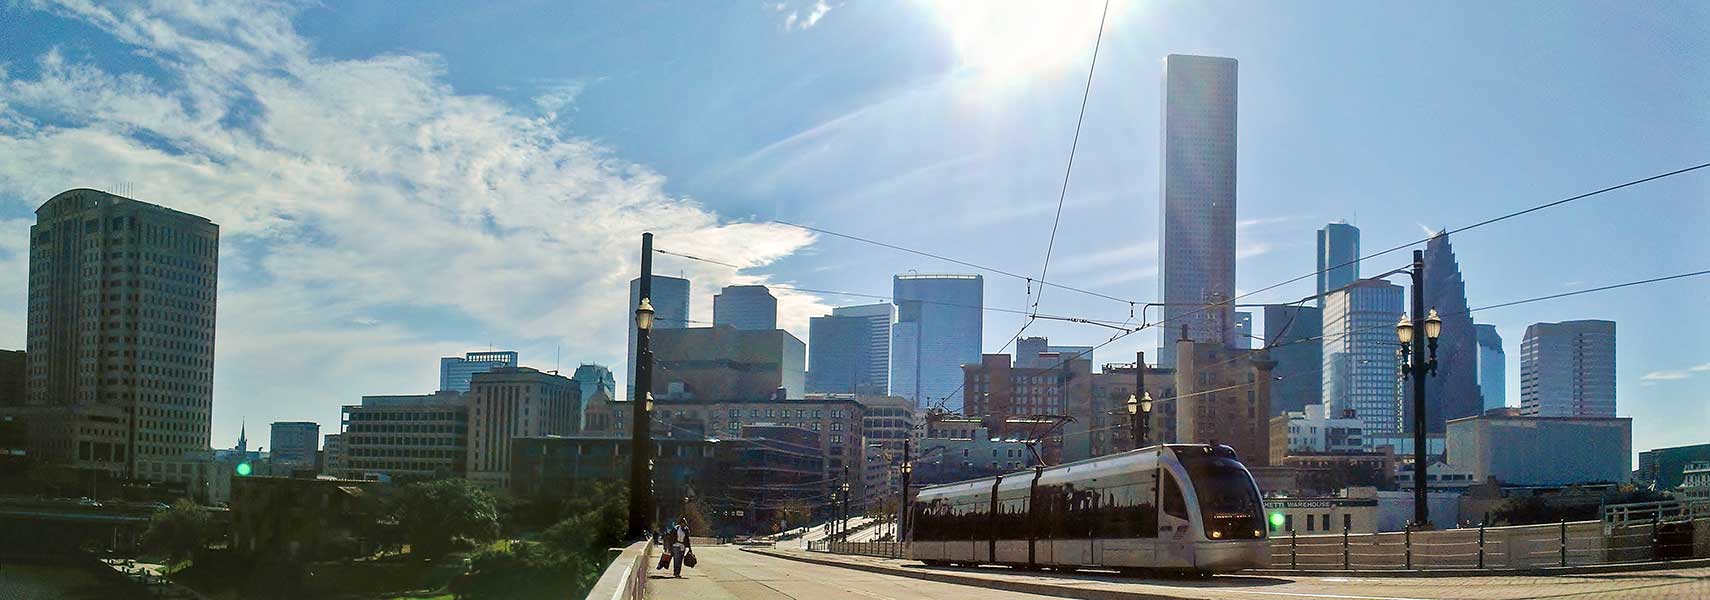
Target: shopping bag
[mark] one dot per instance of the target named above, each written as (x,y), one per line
(664,560)
(689,559)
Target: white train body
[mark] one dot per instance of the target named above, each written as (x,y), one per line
(1177,507)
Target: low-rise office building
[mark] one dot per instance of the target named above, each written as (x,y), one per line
(1542,451)
(417,436)
(554,467)
(1311,432)
(1354,510)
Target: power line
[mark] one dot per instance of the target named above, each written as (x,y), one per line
(1489,221)
(1321,336)
(1070,169)
(952,260)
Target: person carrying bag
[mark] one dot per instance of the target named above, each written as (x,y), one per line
(680,547)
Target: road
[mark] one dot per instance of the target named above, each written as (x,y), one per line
(726,572)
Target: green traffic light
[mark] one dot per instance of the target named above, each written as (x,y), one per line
(1276,519)
(243,469)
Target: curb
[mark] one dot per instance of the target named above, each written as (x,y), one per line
(1069,591)
(1689,563)
(1023,587)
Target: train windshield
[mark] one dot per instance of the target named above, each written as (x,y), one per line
(1228,501)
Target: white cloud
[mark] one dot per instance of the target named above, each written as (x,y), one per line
(347,189)
(1251,249)
(796,19)
(1676,374)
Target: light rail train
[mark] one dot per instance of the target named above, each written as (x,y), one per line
(1176,507)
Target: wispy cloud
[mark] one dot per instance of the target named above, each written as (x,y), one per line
(797,19)
(347,189)
(1258,222)
(1676,374)
(1248,250)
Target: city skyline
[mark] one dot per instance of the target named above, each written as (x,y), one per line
(322,274)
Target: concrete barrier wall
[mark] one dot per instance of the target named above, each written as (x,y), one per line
(626,577)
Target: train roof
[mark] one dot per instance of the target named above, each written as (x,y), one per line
(1094,463)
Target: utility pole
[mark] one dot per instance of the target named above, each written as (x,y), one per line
(640,444)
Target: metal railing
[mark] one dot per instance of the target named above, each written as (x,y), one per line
(878,549)
(1559,544)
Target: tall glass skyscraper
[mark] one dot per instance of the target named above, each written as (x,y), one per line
(1300,363)
(939,322)
(1338,257)
(1567,369)
(1196,221)
(1360,365)
(745,307)
(1453,392)
(1492,367)
(849,351)
(670,311)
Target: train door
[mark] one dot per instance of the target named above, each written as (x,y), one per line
(1175,527)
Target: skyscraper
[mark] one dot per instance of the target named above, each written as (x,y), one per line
(1243,330)
(1567,369)
(1453,392)
(670,311)
(1360,369)
(1291,334)
(876,373)
(1196,221)
(454,372)
(745,307)
(121,331)
(1492,367)
(1338,257)
(939,321)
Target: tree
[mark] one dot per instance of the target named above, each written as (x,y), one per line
(435,515)
(178,531)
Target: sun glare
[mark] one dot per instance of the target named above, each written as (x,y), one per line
(1009,40)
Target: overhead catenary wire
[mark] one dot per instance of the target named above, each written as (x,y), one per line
(1445,232)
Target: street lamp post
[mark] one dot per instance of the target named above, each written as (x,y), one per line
(845,535)
(641,406)
(1140,417)
(1417,365)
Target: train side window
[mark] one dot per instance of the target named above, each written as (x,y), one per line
(1174,504)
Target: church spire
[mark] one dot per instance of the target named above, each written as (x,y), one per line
(243,440)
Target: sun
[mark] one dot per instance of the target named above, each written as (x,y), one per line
(1010,40)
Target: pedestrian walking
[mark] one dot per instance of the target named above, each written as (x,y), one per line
(680,546)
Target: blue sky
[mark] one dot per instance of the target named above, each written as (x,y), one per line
(396,185)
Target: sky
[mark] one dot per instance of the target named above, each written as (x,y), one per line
(396,185)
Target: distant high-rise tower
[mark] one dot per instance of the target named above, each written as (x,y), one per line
(1196,221)
(121,331)
(1291,334)
(1453,392)
(745,307)
(1492,367)
(849,350)
(454,372)
(670,311)
(1243,330)
(939,322)
(1567,369)
(1338,257)
(1359,354)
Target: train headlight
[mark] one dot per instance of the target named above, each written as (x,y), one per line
(1216,534)
(1257,533)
